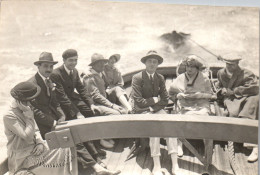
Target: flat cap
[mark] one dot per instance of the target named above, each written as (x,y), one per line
(69,53)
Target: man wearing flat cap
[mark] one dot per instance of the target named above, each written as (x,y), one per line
(47,110)
(67,79)
(149,95)
(238,88)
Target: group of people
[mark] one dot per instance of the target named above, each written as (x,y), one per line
(49,98)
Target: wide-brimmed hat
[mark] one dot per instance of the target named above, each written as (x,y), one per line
(96,57)
(45,57)
(152,54)
(231,58)
(25,91)
(116,56)
(193,60)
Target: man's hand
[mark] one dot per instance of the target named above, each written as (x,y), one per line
(156,99)
(38,149)
(80,116)
(62,119)
(181,95)
(118,108)
(94,109)
(27,111)
(227,92)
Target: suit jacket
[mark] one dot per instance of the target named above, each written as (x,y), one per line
(143,91)
(97,87)
(46,108)
(65,87)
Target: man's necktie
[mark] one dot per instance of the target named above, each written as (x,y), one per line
(151,79)
(48,83)
(71,75)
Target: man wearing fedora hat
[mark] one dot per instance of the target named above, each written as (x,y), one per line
(238,89)
(114,83)
(95,83)
(46,107)
(149,95)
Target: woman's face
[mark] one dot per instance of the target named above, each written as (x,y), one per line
(112,61)
(191,70)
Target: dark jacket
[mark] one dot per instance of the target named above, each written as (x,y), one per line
(245,85)
(65,87)
(143,91)
(46,108)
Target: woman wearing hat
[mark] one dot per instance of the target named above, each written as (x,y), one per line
(115,83)
(192,89)
(27,152)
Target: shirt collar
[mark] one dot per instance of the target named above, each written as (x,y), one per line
(150,74)
(229,74)
(95,72)
(67,70)
(43,78)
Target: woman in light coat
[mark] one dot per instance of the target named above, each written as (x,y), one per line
(26,150)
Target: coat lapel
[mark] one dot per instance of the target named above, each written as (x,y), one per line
(66,76)
(155,85)
(233,78)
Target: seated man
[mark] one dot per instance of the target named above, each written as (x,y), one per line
(47,112)
(239,88)
(149,95)
(115,83)
(193,91)
(94,82)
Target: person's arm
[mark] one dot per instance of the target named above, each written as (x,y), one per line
(62,96)
(91,86)
(164,97)
(42,118)
(120,80)
(83,92)
(137,94)
(248,87)
(14,125)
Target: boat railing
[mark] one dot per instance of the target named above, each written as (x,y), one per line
(155,125)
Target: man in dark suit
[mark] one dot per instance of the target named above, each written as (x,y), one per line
(67,79)
(47,113)
(47,110)
(149,95)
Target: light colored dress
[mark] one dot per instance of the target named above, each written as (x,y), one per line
(22,136)
(199,84)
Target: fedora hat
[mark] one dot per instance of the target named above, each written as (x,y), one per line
(116,56)
(231,58)
(45,57)
(96,57)
(152,54)
(25,91)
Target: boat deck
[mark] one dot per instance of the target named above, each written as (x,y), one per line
(189,165)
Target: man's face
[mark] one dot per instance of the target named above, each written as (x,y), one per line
(231,67)
(45,69)
(191,70)
(99,66)
(151,65)
(71,62)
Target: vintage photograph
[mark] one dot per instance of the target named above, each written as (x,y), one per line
(129,88)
